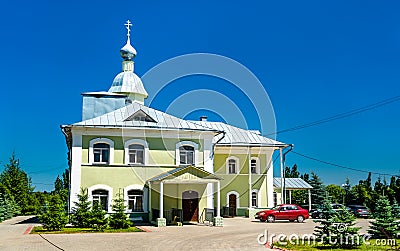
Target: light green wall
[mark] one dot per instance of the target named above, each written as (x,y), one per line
(161,151)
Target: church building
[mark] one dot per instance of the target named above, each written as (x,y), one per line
(166,168)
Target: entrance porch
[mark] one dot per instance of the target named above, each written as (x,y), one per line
(183,195)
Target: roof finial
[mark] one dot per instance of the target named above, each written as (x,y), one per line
(128,25)
(128,52)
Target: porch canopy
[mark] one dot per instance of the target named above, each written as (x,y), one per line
(185,175)
(291,184)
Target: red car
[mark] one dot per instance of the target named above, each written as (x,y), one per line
(289,212)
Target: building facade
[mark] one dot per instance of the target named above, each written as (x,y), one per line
(167,169)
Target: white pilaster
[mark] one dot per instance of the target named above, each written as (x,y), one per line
(270,181)
(209,167)
(218,199)
(76,162)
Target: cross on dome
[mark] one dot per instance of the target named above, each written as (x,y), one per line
(128,25)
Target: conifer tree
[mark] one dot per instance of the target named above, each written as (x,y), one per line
(385,225)
(81,212)
(3,208)
(54,218)
(395,210)
(318,190)
(119,219)
(337,229)
(98,218)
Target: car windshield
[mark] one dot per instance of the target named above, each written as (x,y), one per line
(276,207)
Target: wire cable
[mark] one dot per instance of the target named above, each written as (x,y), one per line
(340,166)
(341,115)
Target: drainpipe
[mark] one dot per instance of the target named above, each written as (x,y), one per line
(219,140)
(283,185)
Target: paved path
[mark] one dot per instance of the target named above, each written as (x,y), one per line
(237,234)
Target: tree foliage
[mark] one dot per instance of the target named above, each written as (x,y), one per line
(54,217)
(19,185)
(385,225)
(81,211)
(119,219)
(98,220)
(318,190)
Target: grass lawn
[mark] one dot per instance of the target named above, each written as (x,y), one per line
(75,230)
(372,246)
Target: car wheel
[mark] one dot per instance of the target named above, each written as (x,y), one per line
(300,218)
(270,218)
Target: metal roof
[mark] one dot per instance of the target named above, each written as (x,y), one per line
(239,136)
(292,183)
(127,82)
(118,118)
(171,173)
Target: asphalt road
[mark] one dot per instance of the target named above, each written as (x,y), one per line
(237,234)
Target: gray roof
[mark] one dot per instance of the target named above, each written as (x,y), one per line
(238,136)
(119,119)
(292,183)
(127,82)
(234,136)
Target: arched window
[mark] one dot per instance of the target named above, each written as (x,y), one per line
(232,165)
(101,153)
(186,155)
(254,199)
(135,200)
(101,196)
(136,154)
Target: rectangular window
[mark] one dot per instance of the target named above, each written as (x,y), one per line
(254,199)
(253,166)
(136,154)
(186,155)
(232,166)
(101,153)
(135,200)
(101,196)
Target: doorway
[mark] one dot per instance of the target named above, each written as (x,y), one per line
(232,204)
(190,206)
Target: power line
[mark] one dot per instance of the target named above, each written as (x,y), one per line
(341,115)
(340,166)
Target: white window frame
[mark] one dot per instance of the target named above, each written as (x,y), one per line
(237,164)
(257,164)
(186,143)
(101,140)
(102,187)
(136,142)
(237,198)
(257,197)
(145,191)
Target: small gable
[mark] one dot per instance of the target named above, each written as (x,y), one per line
(140,115)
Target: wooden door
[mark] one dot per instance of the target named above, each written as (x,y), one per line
(190,206)
(232,205)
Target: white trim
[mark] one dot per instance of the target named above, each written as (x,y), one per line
(257,164)
(101,140)
(258,197)
(187,143)
(76,164)
(104,187)
(145,191)
(139,142)
(237,198)
(237,164)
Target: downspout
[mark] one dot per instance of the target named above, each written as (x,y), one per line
(214,145)
(284,174)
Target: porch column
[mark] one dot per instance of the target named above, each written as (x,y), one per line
(283,200)
(161,199)
(218,220)
(250,186)
(290,196)
(218,199)
(309,199)
(161,221)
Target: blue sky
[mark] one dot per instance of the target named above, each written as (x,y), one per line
(314,58)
